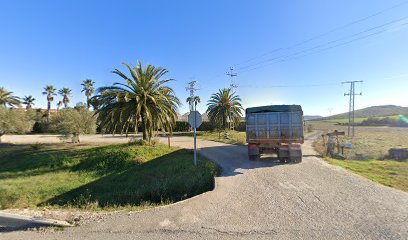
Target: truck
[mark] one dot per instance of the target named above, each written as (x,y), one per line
(276,129)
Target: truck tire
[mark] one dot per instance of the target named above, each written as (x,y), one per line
(296,159)
(284,160)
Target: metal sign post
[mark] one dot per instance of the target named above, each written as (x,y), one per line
(195,120)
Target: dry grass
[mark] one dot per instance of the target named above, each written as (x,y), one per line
(369,142)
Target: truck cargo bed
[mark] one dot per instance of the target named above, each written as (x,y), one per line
(275,124)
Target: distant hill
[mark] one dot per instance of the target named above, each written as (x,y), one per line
(311,117)
(375,111)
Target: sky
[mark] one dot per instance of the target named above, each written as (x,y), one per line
(283,51)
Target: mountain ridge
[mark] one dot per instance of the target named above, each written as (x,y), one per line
(373,111)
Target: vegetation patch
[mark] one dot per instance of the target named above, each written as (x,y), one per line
(104,177)
(369,154)
(390,173)
(233,137)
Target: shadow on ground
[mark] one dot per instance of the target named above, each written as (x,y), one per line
(233,159)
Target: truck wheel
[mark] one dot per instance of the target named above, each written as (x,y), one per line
(296,159)
(284,160)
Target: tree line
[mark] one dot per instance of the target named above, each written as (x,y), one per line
(142,99)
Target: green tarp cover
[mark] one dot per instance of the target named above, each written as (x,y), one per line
(274,108)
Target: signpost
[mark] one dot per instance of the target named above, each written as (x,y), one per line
(195,120)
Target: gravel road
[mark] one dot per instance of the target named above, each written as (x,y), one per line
(260,200)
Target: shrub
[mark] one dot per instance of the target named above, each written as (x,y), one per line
(12,121)
(71,123)
(241,126)
(182,126)
(207,126)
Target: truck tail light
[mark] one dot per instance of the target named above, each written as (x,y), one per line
(284,147)
(253,147)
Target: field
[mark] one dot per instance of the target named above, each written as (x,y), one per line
(369,154)
(99,177)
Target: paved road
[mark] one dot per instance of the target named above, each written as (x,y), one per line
(261,200)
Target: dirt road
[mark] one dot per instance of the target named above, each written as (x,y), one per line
(261,200)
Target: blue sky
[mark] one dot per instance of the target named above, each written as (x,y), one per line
(64,42)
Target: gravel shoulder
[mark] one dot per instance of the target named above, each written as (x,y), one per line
(262,200)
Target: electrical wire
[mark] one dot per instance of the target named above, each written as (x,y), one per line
(292,56)
(325,33)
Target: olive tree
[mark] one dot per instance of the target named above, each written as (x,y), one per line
(73,122)
(12,121)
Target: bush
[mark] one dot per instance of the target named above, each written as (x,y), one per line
(72,123)
(241,126)
(12,121)
(206,126)
(309,128)
(182,126)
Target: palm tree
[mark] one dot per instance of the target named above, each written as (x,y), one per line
(28,101)
(88,88)
(66,93)
(223,105)
(7,98)
(49,90)
(144,97)
(193,101)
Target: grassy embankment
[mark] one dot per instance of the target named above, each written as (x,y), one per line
(368,157)
(234,137)
(129,176)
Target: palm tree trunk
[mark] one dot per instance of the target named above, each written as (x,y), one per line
(224,121)
(48,110)
(87,101)
(144,126)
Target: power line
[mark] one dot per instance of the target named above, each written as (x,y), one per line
(330,42)
(191,87)
(232,75)
(287,57)
(232,87)
(351,94)
(325,33)
(289,86)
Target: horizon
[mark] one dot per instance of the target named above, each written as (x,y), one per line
(283,53)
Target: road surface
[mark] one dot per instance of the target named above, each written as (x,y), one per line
(260,200)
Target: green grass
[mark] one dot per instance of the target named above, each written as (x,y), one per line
(104,177)
(356,120)
(235,137)
(387,172)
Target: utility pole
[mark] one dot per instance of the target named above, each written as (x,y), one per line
(352,93)
(232,87)
(191,87)
(330,111)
